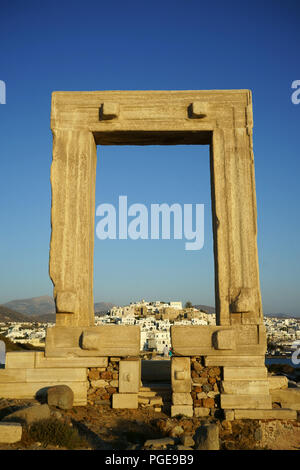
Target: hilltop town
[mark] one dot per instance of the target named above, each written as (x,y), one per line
(155,319)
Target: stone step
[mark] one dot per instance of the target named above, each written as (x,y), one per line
(149,393)
(38,360)
(266,414)
(277,382)
(288,398)
(245,373)
(147,387)
(242,387)
(125,400)
(235,361)
(42,375)
(244,402)
(10,432)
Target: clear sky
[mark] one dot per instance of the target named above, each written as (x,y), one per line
(157,45)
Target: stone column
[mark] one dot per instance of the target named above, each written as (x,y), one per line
(234,223)
(73,176)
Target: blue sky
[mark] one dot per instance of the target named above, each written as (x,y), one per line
(96,45)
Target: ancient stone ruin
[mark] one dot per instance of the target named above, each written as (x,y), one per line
(218,367)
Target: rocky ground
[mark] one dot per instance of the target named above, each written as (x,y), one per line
(103,428)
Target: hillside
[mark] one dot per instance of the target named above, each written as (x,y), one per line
(103,306)
(205,308)
(9,315)
(44,305)
(33,306)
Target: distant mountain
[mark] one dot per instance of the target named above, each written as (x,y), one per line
(33,306)
(102,307)
(44,305)
(205,308)
(9,315)
(280,315)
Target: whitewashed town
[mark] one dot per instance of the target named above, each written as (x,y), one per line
(155,319)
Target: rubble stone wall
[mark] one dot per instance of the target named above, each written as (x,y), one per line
(206,387)
(103,382)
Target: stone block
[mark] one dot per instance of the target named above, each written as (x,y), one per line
(143,401)
(235,361)
(245,373)
(56,375)
(185,410)
(208,403)
(266,414)
(201,412)
(146,394)
(20,360)
(182,399)
(10,432)
(125,400)
(207,437)
(224,339)
(129,376)
(187,440)
(30,414)
(12,375)
(244,402)
(61,396)
(43,362)
(235,318)
(164,441)
(249,318)
(277,382)
(114,383)
(156,401)
(31,390)
(181,374)
(229,415)
(99,383)
(42,375)
(288,398)
(244,387)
